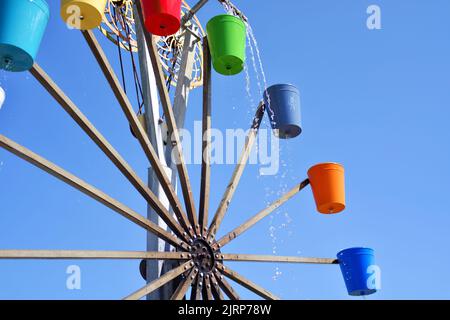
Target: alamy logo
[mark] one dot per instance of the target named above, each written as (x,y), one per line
(74,17)
(73,281)
(374,19)
(374,279)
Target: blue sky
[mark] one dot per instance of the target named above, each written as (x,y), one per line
(375,101)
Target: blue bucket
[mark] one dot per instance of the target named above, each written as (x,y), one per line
(22,26)
(283,107)
(355,265)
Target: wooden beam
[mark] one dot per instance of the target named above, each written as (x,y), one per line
(247,283)
(184,285)
(89,254)
(152,286)
(89,190)
(197,288)
(278,259)
(215,288)
(206,139)
(238,171)
(171,123)
(259,216)
(226,287)
(207,289)
(137,128)
(75,113)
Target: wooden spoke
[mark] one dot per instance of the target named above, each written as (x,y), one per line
(215,288)
(137,128)
(94,255)
(259,216)
(247,283)
(152,286)
(89,190)
(196,292)
(207,290)
(206,139)
(238,171)
(184,285)
(226,287)
(171,122)
(106,147)
(279,259)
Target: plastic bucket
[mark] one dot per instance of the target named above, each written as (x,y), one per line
(328,187)
(22,26)
(162,17)
(83,14)
(355,263)
(227,41)
(283,107)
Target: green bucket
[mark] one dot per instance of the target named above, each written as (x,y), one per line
(227,39)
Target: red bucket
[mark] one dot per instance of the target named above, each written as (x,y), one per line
(162,17)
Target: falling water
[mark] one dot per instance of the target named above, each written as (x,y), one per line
(261,81)
(248,85)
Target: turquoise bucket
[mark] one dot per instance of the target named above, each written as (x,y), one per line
(22,26)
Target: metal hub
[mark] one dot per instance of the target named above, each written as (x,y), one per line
(203,255)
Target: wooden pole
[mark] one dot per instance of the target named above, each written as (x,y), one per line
(136,126)
(152,286)
(154,269)
(226,287)
(215,288)
(278,259)
(180,292)
(206,139)
(197,286)
(171,123)
(75,113)
(89,190)
(207,290)
(259,216)
(238,171)
(93,255)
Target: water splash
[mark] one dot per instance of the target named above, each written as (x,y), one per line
(248,85)
(279,220)
(258,68)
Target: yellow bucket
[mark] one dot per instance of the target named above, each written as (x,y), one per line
(83,14)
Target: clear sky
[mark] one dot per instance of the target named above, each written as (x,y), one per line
(375,101)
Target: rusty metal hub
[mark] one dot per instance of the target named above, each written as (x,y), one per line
(203,255)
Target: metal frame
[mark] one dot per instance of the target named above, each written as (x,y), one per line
(189,225)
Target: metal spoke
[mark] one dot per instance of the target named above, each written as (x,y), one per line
(137,128)
(247,283)
(171,122)
(75,113)
(89,190)
(238,171)
(259,216)
(184,285)
(206,140)
(189,15)
(167,277)
(89,254)
(280,259)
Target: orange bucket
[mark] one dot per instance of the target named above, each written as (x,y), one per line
(328,187)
